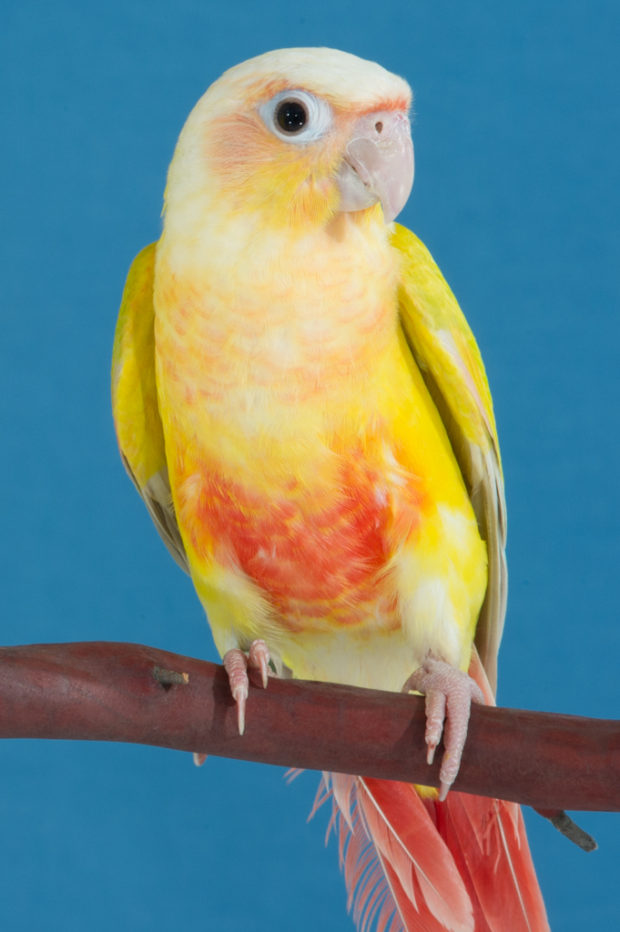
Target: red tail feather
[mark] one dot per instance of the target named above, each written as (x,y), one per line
(487,840)
(417,864)
(420,865)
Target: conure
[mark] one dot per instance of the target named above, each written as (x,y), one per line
(304,410)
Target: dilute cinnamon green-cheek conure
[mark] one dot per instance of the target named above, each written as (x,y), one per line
(304,410)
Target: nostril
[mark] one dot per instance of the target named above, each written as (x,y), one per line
(379,126)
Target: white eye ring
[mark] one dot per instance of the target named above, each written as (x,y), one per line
(296,116)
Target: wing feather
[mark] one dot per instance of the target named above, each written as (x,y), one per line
(134,402)
(449,359)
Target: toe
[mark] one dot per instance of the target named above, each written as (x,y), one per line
(435,717)
(258,659)
(235,664)
(449,693)
(455,733)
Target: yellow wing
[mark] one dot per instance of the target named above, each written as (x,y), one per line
(448,357)
(134,402)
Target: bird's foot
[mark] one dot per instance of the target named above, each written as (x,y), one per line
(449,693)
(237,663)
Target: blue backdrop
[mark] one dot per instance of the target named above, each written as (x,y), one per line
(517,136)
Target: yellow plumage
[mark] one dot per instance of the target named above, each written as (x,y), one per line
(281,366)
(266,398)
(301,403)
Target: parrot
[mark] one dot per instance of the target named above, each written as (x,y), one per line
(305,413)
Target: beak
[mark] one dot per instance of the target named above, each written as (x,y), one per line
(377,164)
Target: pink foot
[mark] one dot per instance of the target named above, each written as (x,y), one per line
(237,664)
(449,693)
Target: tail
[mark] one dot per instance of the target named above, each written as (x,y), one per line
(413,863)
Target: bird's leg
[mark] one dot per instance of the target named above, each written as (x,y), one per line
(237,664)
(449,693)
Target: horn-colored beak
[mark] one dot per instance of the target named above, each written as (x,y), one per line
(377,164)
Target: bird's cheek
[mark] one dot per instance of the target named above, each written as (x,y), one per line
(300,192)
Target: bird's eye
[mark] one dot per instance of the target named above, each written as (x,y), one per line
(291,116)
(297,116)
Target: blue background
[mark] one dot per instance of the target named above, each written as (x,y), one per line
(517,193)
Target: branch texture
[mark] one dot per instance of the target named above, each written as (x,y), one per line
(103,691)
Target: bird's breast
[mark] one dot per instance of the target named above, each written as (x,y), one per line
(302,445)
(318,541)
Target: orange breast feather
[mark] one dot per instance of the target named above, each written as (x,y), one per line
(317,558)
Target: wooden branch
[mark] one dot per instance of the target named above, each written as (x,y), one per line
(127,692)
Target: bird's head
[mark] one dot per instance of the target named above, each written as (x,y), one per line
(299,136)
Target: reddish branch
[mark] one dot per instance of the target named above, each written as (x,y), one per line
(128,692)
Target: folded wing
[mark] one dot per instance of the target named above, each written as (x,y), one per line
(134,402)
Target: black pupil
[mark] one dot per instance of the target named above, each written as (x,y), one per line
(291,116)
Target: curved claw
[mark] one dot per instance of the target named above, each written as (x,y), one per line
(449,693)
(237,664)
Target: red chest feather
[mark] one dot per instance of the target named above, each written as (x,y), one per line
(314,555)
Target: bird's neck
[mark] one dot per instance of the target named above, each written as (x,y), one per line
(275,310)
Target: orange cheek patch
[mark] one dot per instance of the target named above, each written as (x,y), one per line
(316,559)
